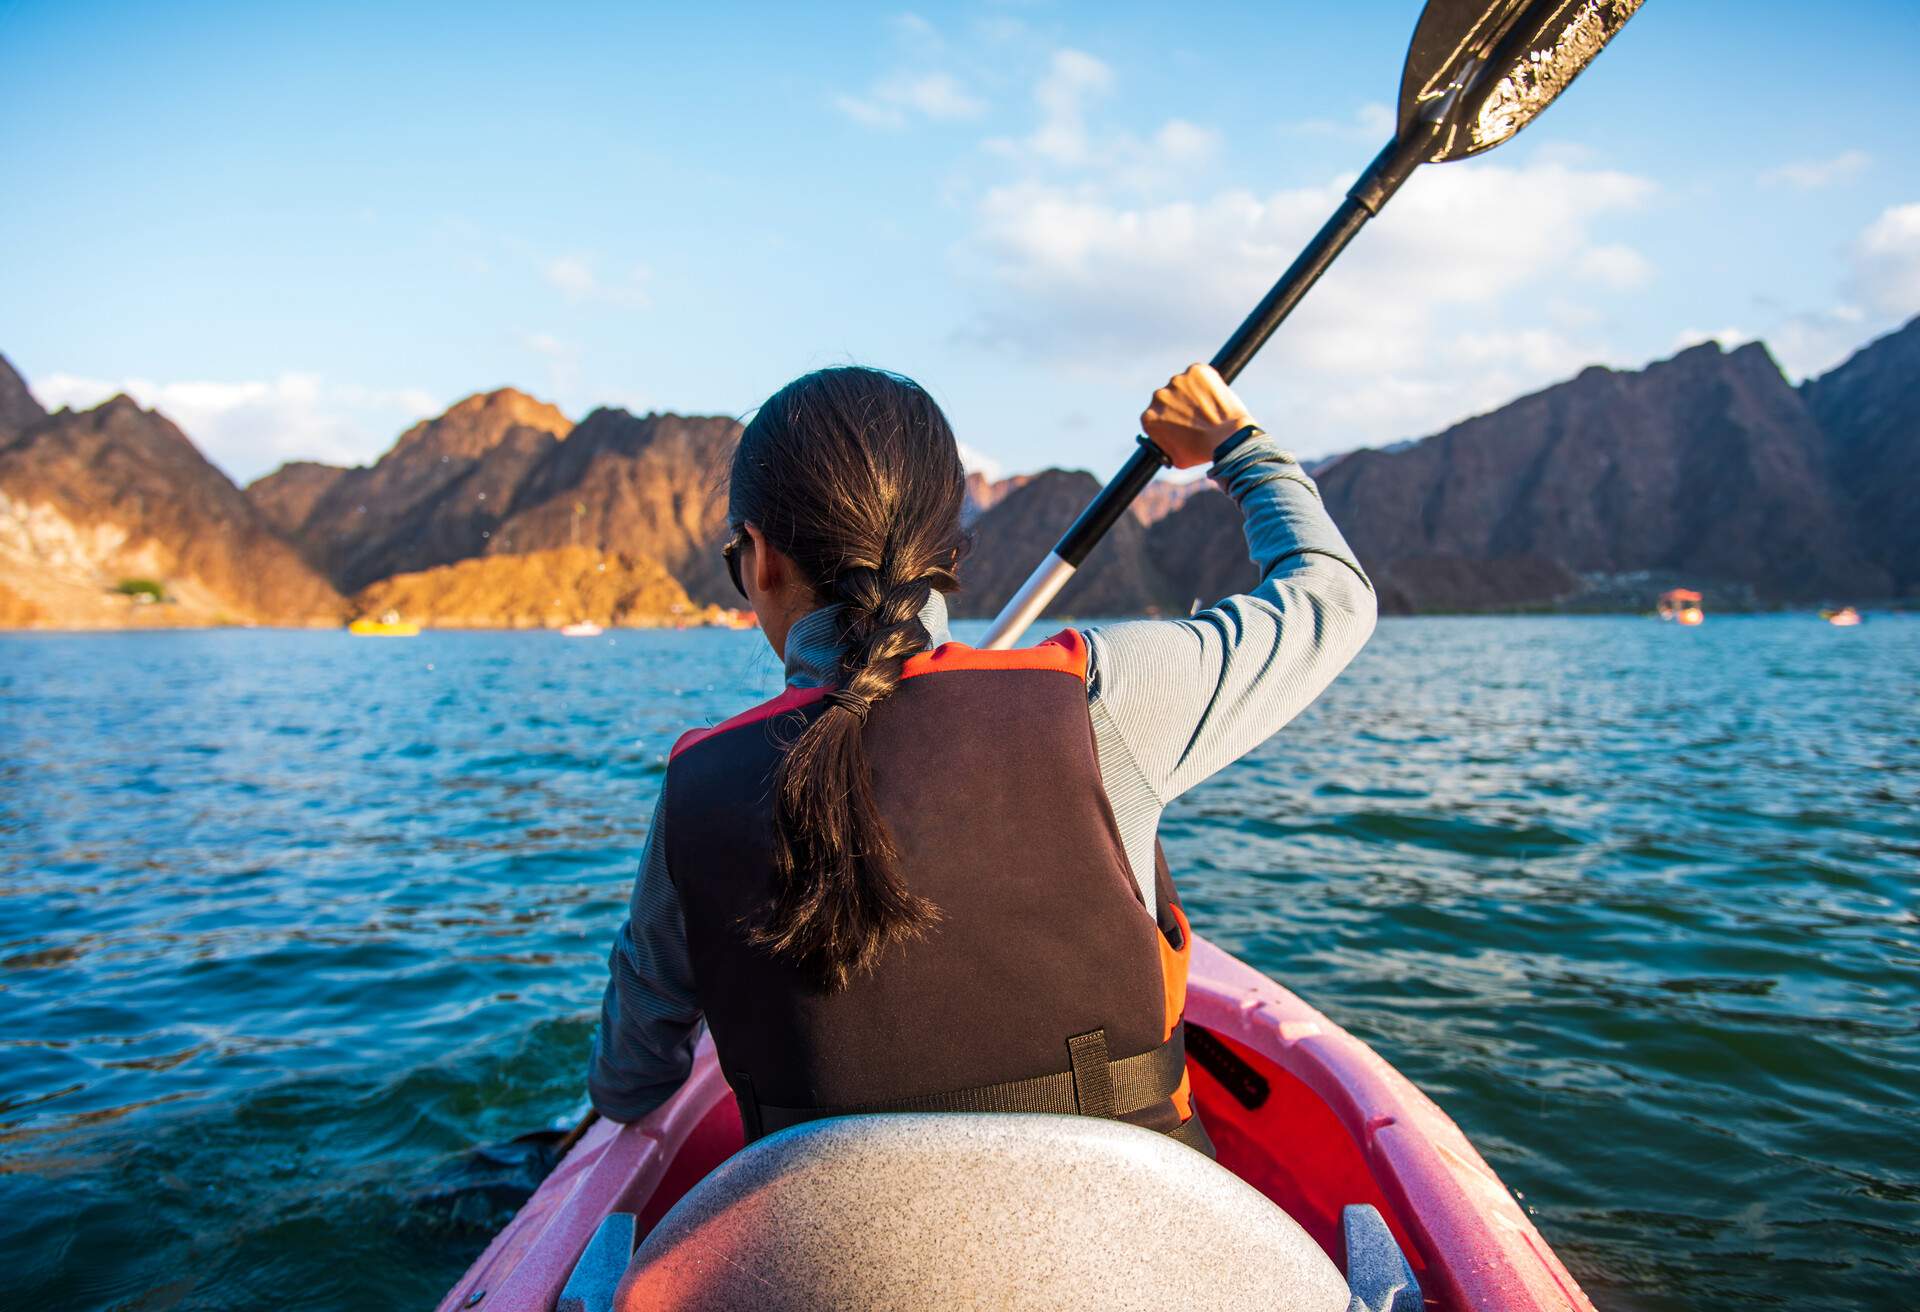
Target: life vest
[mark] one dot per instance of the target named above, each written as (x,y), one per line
(1045,984)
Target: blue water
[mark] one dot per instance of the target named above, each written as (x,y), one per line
(288,922)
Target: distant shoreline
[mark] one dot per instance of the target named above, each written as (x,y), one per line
(1808,611)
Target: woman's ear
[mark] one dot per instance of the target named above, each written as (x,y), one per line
(768,569)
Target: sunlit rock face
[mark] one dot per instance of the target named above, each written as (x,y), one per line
(97,499)
(649,485)
(538,590)
(437,496)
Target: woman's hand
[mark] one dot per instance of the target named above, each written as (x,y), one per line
(1194,413)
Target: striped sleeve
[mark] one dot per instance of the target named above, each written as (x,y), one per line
(1174,701)
(649,1018)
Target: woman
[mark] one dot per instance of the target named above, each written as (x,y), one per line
(926,877)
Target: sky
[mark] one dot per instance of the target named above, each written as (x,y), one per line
(298,229)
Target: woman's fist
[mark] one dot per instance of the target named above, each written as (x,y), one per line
(1194,413)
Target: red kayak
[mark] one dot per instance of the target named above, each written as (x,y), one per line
(1298,1109)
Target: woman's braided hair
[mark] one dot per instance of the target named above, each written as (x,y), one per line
(854,474)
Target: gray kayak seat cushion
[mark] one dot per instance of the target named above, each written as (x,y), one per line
(1377,1271)
(951,1210)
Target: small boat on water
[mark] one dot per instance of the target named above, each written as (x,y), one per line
(1843,618)
(389,625)
(1681,606)
(1334,1174)
(582,629)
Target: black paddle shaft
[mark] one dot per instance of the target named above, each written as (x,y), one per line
(1364,199)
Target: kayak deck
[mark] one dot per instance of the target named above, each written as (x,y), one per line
(1297,1107)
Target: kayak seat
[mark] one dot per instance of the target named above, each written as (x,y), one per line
(919,1210)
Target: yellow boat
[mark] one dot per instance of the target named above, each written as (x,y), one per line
(389,625)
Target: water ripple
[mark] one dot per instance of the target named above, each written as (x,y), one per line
(291,922)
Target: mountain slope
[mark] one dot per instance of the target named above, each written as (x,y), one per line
(1202,548)
(650,486)
(91,499)
(18,408)
(437,496)
(286,497)
(1119,578)
(543,589)
(1706,465)
(1869,409)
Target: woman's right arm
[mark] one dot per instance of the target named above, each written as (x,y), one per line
(1176,700)
(649,1017)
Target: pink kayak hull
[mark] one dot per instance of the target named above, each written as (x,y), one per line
(1339,1125)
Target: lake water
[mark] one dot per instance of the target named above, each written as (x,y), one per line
(288,922)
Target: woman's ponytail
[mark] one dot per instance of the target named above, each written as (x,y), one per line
(854,474)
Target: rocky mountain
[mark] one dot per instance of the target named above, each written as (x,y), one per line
(1120,578)
(1707,466)
(1164,496)
(503,474)
(652,485)
(1161,498)
(1202,548)
(110,516)
(984,493)
(1869,409)
(539,590)
(18,408)
(286,497)
(436,497)
(1707,469)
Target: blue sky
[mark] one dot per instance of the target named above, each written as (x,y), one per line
(298,231)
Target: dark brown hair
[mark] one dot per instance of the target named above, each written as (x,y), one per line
(854,474)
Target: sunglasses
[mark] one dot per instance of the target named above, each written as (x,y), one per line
(731,554)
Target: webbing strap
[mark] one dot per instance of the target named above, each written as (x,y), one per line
(1120,1087)
(1092,1078)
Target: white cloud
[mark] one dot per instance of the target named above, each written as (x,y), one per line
(1068,273)
(1373,122)
(976,461)
(1062,142)
(1619,267)
(1885,262)
(572,275)
(1073,78)
(1814,341)
(248,428)
(1879,291)
(1083,274)
(1813,174)
(578,279)
(894,100)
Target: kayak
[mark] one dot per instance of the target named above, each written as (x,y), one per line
(1310,1124)
(384,628)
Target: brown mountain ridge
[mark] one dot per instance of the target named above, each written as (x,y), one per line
(1707,468)
(102,507)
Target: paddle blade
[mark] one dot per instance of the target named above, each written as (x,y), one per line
(1486,70)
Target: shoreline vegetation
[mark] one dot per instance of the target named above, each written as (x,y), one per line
(1707,471)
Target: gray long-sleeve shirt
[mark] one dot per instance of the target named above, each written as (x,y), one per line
(1172,701)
